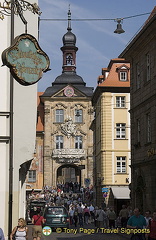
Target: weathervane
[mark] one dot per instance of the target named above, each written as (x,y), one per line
(18,7)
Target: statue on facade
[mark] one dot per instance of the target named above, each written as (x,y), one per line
(68,127)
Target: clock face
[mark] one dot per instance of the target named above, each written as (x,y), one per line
(69,91)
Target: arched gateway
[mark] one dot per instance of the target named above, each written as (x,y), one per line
(69,173)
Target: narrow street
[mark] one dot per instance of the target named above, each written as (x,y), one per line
(87,233)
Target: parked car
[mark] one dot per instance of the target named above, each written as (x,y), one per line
(56,216)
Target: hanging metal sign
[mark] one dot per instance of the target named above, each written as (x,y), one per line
(26,60)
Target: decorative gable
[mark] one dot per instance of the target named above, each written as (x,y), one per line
(68,91)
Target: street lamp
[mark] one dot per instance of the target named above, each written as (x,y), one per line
(119,29)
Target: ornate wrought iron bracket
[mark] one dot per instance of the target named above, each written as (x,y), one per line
(18,7)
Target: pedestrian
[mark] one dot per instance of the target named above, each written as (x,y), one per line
(123,214)
(75,216)
(80,215)
(95,216)
(137,221)
(152,227)
(100,216)
(37,220)
(86,214)
(147,216)
(71,214)
(112,217)
(1,234)
(91,209)
(19,232)
(106,221)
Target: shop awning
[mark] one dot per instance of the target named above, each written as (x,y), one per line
(121,192)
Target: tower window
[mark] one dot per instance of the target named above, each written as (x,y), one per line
(59,142)
(78,142)
(69,59)
(78,115)
(59,115)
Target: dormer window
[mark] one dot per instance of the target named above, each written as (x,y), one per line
(123,73)
(123,76)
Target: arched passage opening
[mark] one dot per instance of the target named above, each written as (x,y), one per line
(68,173)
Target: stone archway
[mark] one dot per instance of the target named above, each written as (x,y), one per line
(68,173)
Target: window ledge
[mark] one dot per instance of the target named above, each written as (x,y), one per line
(79,122)
(123,80)
(58,122)
(120,138)
(120,108)
(121,173)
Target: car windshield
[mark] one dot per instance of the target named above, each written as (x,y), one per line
(55,211)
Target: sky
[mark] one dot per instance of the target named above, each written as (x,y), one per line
(96,41)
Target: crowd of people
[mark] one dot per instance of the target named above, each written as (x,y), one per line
(62,195)
(83,212)
(82,215)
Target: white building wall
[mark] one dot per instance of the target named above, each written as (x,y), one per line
(24,123)
(4,127)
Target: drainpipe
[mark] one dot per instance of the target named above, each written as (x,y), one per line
(11,135)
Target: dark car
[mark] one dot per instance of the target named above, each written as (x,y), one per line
(56,216)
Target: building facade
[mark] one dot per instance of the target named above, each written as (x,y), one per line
(141,53)
(111,127)
(34,178)
(15,123)
(68,143)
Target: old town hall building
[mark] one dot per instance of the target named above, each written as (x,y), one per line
(67,141)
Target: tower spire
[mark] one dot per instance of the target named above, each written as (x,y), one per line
(69,19)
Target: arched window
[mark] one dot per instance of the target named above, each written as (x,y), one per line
(69,59)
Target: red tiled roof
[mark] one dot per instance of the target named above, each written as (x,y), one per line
(112,80)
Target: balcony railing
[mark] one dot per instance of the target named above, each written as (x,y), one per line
(69,155)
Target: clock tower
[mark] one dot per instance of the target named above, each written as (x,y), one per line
(68,139)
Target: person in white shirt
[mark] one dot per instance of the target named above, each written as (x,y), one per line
(91,209)
(71,214)
(147,217)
